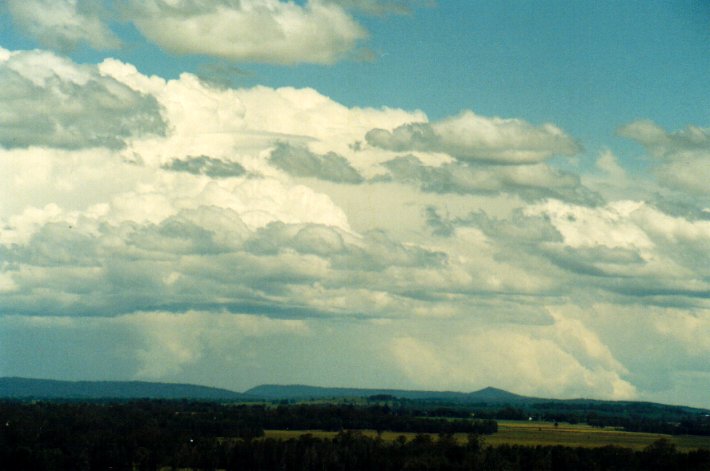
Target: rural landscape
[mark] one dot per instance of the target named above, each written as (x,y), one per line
(55,425)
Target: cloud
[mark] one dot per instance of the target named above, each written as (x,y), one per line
(186,241)
(610,226)
(51,101)
(63,24)
(656,344)
(221,74)
(171,342)
(533,181)
(382,7)
(246,125)
(608,163)
(473,138)
(683,155)
(142,345)
(623,251)
(300,162)
(305,116)
(204,165)
(632,249)
(170,246)
(270,31)
(563,359)
(663,144)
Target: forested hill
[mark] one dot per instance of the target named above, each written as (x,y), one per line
(13,387)
(488,395)
(490,399)
(53,389)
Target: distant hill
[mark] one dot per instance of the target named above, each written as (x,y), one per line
(490,397)
(301,392)
(54,389)
(26,388)
(13,387)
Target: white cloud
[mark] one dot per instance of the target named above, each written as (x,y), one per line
(683,155)
(633,249)
(154,345)
(325,125)
(608,163)
(248,125)
(565,359)
(664,144)
(240,207)
(689,329)
(50,101)
(269,31)
(533,181)
(63,24)
(609,226)
(298,161)
(170,342)
(622,224)
(474,138)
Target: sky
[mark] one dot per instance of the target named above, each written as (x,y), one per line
(361,193)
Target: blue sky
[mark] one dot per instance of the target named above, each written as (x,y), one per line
(577,64)
(463,194)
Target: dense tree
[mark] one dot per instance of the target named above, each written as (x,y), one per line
(150,435)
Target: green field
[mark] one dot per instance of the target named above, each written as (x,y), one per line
(541,433)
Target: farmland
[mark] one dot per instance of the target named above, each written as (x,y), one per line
(531,433)
(150,435)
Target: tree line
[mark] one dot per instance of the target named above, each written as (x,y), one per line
(152,435)
(148,434)
(628,416)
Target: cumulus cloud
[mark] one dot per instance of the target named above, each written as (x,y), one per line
(300,162)
(63,24)
(50,101)
(474,138)
(632,249)
(202,226)
(246,125)
(683,155)
(623,251)
(534,181)
(242,243)
(663,144)
(269,31)
(305,116)
(204,165)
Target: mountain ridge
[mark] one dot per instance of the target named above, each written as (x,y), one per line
(18,387)
(301,391)
(13,387)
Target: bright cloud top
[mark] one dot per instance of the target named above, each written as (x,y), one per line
(50,101)
(250,30)
(470,137)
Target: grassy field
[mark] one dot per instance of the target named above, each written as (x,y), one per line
(541,433)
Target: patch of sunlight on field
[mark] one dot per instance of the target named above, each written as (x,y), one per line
(537,433)
(545,433)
